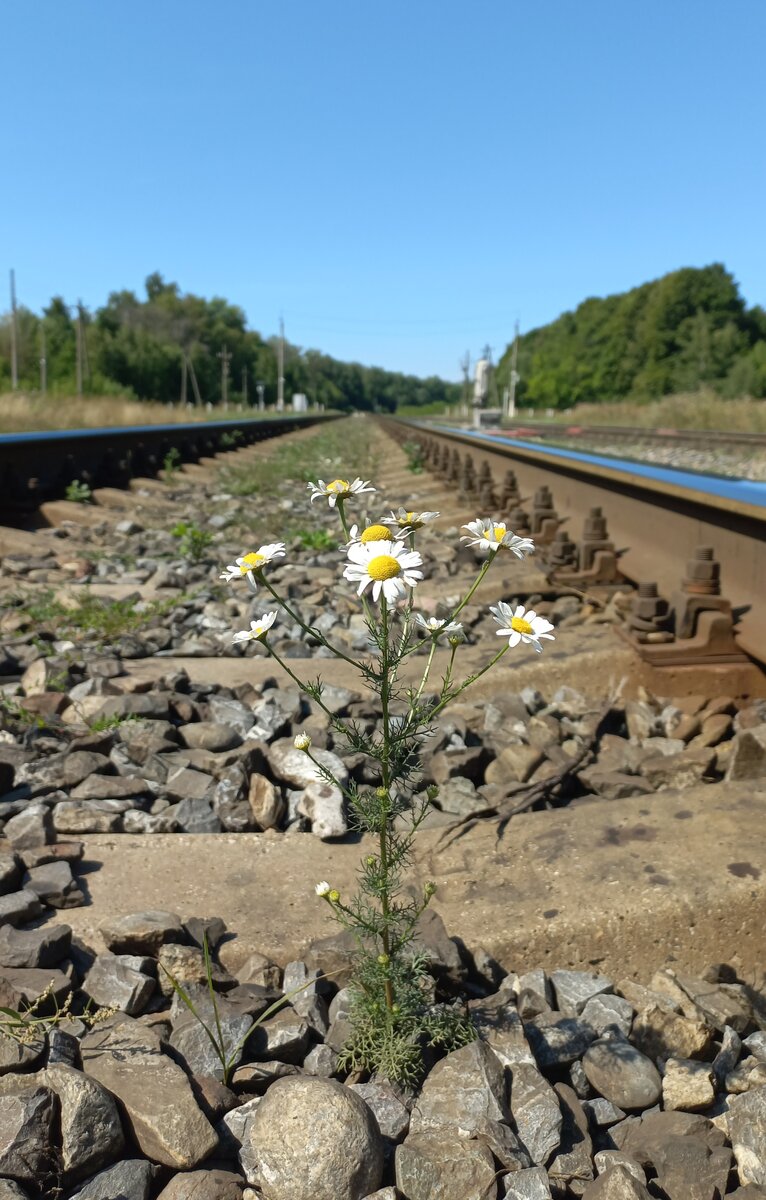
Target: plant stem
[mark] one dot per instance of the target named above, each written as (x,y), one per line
(475,584)
(385,685)
(467,682)
(307,628)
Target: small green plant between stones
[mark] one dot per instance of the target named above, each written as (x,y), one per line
(79,492)
(395,1011)
(227,1054)
(414,453)
(193,541)
(170,464)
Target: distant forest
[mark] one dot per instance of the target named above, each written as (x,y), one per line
(134,347)
(686,331)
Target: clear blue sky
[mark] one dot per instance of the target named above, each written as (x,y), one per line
(401,180)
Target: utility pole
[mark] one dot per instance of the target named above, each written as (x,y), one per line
(43,360)
(281,368)
(14,336)
(225,358)
(78,333)
(183,378)
(244,386)
(514,373)
(260,389)
(195,385)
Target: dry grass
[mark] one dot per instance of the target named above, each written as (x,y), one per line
(22,413)
(691,410)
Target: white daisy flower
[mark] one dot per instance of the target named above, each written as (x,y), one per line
(251,565)
(371,533)
(491,535)
(339,489)
(323,888)
(258,629)
(410,520)
(387,565)
(302,741)
(518,625)
(440,628)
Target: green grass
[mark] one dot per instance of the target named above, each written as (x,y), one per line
(94,616)
(344,449)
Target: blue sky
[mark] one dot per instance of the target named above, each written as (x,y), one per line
(402,180)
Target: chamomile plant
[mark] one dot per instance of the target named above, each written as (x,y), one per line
(394,1013)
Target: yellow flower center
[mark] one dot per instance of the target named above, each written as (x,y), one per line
(251,562)
(383,566)
(376,533)
(499,532)
(338,486)
(520,625)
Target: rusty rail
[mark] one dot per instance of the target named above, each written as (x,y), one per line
(694,550)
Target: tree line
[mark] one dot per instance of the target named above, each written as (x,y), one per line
(688,330)
(153,348)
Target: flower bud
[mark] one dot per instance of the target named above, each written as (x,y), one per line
(384,960)
(432,791)
(381,793)
(429,889)
(302,741)
(370,860)
(323,888)
(333,896)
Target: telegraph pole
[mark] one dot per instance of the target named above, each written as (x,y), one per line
(244,386)
(43,360)
(195,385)
(260,389)
(183,378)
(225,358)
(14,336)
(281,368)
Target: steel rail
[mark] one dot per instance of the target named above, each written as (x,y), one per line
(657,517)
(661,434)
(37,466)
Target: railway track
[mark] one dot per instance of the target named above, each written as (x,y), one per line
(699,437)
(693,546)
(39,466)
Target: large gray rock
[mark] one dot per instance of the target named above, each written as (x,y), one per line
(574,989)
(13,1191)
(687,1085)
(31,827)
(190,1041)
(267,804)
(685,1150)
(324,806)
(154,1092)
(608,1013)
(536,1112)
(618,1183)
(662,1034)
(747,1133)
(557,1041)
(142,932)
(204,1185)
(748,756)
(314,1139)
(572,1165)
(120,981)
(465,1091)
(392,1116)
(83,816)
(296,768)
(531,1184)
(209,735)
(128,1180)
(44,947)
(91,1132)
(27,1131)
(466,1086)
(436,1165)
(55,884)
(622,1074)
